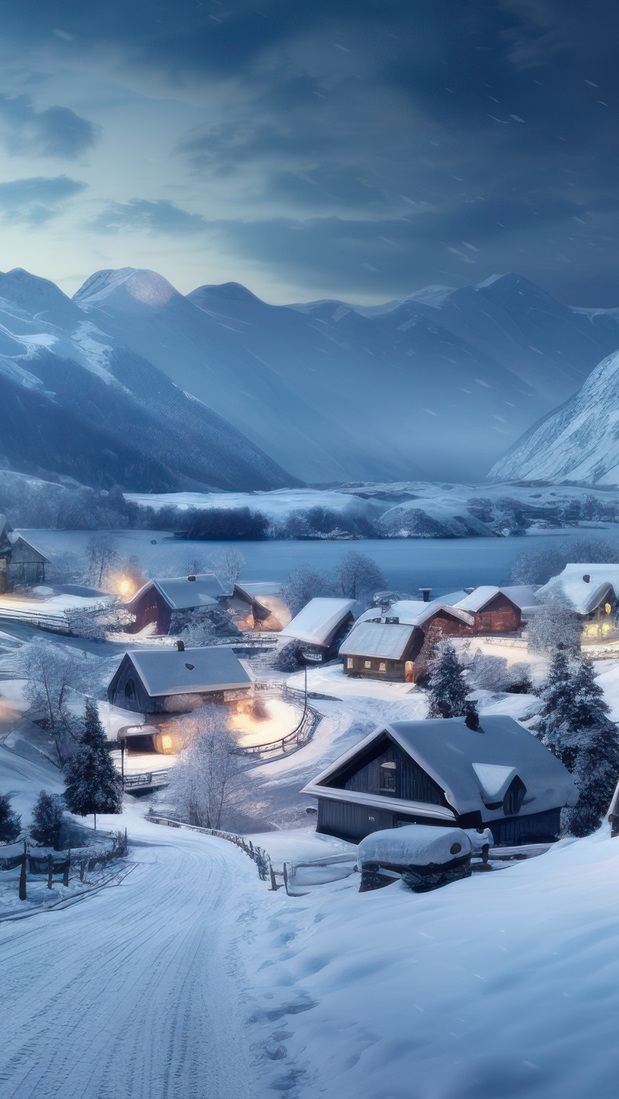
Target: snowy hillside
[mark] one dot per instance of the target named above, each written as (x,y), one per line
(577,442)
(74,403)
(333,392)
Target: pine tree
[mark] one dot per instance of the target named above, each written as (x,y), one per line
(592,743)
(46,820)
(92,783)
(556,710)
(447,687)
(10,822)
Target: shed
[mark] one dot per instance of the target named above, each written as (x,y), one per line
(382,650)
(257,607)
(443,771)
(494,610)
(178,680)
(157,601)
(27,561)
(321,626)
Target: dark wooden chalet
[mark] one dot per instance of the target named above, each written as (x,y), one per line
(446,772)
(27,562)
(158,601)
(178,680)
(321,626)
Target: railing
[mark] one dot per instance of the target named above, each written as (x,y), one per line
(54,622)
(299,736)
(45,862)
(147,780)
(257,854)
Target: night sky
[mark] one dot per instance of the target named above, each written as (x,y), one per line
(358,149)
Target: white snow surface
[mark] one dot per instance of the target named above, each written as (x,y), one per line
(317,622)
(419,844)
(583,595)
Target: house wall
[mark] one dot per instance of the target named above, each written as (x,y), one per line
(127,690)
(499,616)
(152,607)
(535,828)
(394,670)
(26,565)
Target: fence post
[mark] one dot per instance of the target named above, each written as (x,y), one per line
(22,877)
(50,871)
(272,875)
(67,867)
(82,868)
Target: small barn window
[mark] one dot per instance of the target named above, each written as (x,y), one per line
(130,690)
(367,663)
(382,667)
(349,662)
(387,777)
(514,797)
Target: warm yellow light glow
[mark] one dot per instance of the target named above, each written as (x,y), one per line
(125,586)
(166,743)
(607,608)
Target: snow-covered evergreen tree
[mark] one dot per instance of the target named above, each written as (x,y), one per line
(92,783)
(556,705)
(46,820)
(592,742)
(10,822)
(447,689)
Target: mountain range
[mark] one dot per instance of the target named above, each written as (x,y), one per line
(577,442)
(437,386)
(132,383)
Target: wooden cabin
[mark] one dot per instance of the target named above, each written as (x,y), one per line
(592,591)
(257,607)
(454,771)
(178,680)
(159,601)
(27,563)
(321,626)
(5,554)
(493,610)
(400,648)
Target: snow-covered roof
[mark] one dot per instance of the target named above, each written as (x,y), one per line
(472,767)
(183,593)
(414,612)
(381,639)
(522,595)
(16,536)
(319,620)
(170,672)
(408,610)
(583,595)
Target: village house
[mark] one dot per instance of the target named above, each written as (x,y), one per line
(473,773)
(398,646)
(178,680)
(320,627)
(27,562)
(165,603)
(498,610)
(592,592)
(257,607)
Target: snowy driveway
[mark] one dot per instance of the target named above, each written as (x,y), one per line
(136,991)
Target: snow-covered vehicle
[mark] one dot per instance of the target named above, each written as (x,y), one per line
(423,856)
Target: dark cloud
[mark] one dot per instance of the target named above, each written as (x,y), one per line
(37,200)
(53,132)
(141,215)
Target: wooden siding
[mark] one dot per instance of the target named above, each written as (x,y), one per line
(152,607)
(499,616)
(26,564)
(535,828)
(393,670)
(406,779)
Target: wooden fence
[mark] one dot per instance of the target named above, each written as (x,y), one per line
(36,862)
(257,854)
(300,735)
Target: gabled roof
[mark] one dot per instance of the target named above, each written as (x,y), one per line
(320,620)
(381,639)
(170,672)
(183,593)
(473,768)
(415,612)
(15,537)
(584,596)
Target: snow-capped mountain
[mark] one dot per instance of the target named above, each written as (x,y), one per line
(75,403)
(433,387)
(577,442)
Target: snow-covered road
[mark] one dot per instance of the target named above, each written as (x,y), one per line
(137,990)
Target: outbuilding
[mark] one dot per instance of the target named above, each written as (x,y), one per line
(178,680)
(320,627)
(446,771)
(161,601)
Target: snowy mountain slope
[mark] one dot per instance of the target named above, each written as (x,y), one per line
(577,442)
(333,392)
(74,403)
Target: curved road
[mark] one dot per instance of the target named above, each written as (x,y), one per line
(135,992)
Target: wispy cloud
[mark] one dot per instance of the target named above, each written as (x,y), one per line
(52,132)
(144,216)
(37,200)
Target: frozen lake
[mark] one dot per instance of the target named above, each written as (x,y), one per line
(443,564)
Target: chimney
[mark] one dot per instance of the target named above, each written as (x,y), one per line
(191,577)
(469,591)
(586,578)
(425,594)
(471,719)
(180,645)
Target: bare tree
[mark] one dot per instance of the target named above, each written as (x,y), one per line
(358,576)
(227,564)
(206,782)
(52,673)
(304,584)
(101,555)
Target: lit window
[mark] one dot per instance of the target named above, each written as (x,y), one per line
(367,663)
(349,662)
(607,608)
(382,667)
(387,777)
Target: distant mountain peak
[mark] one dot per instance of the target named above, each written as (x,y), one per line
(230,291)
(136,284)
